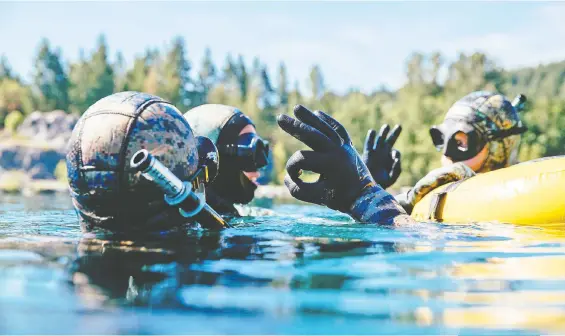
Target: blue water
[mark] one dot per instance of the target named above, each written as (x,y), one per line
(307,270)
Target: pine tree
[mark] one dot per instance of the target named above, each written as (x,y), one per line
(79,85)
(101,83)
(120,72)
(176,76)
(316,83)
(282,88)
(207,78)
(5,68)
(50,81)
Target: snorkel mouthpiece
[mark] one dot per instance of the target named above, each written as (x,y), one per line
(177,193)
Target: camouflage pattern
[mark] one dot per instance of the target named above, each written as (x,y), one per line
(489,112)
(434,179)
(376,205)
(209,119)
(106,193)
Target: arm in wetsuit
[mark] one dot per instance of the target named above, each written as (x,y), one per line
(434,179)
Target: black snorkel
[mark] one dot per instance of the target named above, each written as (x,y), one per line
(189,197)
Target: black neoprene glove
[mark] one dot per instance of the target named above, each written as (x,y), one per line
(345,183)
(380,157)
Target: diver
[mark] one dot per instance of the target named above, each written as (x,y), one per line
(106,192)
(242,153)
(345,183)
(481,132)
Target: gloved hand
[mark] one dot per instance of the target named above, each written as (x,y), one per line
(382,160)
(345,183)
(434,179)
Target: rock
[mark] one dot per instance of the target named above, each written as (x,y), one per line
(38,162)
(54,128)
(39,144)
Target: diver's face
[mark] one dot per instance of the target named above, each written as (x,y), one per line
(252,176)
(476,162)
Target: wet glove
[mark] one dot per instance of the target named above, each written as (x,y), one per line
(434,179)
(382,160)
(345,183)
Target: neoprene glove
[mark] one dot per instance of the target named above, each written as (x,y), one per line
(345,183)
(380,157)
(434,179)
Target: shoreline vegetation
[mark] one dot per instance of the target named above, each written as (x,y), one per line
(33,140)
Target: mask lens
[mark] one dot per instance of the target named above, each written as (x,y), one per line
(437,137)
(252,152)
(463,146)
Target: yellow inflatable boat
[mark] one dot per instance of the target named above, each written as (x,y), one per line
(529,193)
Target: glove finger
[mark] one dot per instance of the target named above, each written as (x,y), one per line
(306,116)
(335,125)
(369,141)
(394,135)
(307,160)
(304,191)
(383,132)
(305,133)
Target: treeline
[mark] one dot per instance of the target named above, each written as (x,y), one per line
(419,103)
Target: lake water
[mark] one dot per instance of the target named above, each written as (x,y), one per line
(307,270)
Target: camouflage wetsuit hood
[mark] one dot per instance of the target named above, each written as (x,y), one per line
(489,113)
(104,190)
(222,124)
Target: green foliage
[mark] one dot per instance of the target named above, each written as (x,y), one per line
(50,80)
(421,102)
(61,171)
(13,120)
(14,96)
(91,79)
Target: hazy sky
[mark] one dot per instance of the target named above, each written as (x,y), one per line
(357,44)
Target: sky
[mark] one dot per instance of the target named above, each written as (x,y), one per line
(359,45)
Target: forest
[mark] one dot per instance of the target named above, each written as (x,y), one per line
(431,86)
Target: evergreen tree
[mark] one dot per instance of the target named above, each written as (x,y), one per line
(5,69)
(101,83)
(175,74)
(282,88)
(79,76)
(120,73)
(207,78)
(50,81)
(316,83)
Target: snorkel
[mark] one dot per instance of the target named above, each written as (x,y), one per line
(189,197)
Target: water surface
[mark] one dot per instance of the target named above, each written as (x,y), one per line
(307,270)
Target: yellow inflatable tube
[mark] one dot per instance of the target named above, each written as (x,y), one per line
(529,193)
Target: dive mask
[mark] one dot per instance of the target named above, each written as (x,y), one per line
(444,138)
(251,152)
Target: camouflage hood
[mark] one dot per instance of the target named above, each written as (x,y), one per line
(490,113)
(105,191)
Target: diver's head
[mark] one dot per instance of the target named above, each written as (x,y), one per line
(242,151)
(482,130)
(105,191)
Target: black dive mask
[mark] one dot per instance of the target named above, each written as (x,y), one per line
(250,152)
(444,139)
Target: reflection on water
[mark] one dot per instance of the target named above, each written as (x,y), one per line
(305,270)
